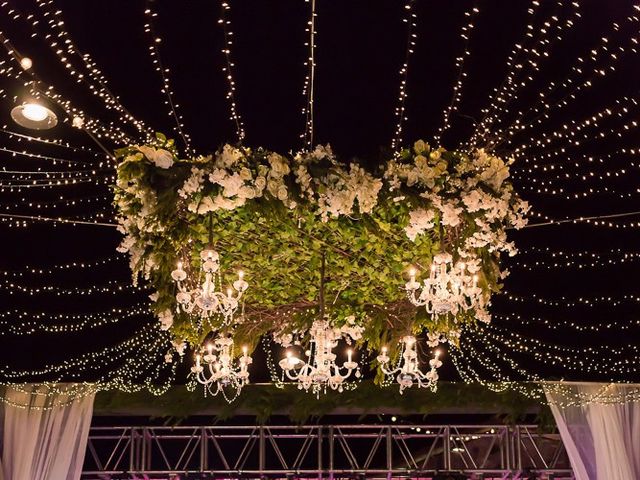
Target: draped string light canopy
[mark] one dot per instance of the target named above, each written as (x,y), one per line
(575,161)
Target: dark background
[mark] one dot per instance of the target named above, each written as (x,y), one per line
(360,48)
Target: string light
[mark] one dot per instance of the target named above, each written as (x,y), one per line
(465,34)
(100,88)
(309,80)
(154,51)
(411,20)
(80,265)
(111,288)
(227,69)
(13,321)
(578,261)
(543,107)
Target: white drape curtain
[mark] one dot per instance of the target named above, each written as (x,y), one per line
(600,428)
(45,431)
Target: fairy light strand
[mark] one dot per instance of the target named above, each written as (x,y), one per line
(411,19)
(227,69)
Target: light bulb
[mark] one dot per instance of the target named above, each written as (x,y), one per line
(26,63)
(34,111)
(240,274)
(412,272)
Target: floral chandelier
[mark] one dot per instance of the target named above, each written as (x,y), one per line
(450,289)
(274,214)
(216,371)
(408,372)
(202,297)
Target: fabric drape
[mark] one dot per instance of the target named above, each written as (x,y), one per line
(600,428)
(45,432)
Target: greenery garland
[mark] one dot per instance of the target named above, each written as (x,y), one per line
(276,216)
(265,401)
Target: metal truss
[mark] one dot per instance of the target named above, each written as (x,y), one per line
(325,451)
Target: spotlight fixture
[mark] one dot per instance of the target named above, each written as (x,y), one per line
(34,115)
(26,63)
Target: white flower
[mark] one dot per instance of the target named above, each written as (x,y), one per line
(420,220)
(282,193)
(166,319)
(161,157)
(279,167)
(232,185)
(228,157)
(218,175)
(245,174)
(260,183)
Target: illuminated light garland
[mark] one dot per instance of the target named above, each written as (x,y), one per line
(544,106)
(112,288)
(586,359)
(596,220)
(411,20)
(92,126)
(561,193)
(13,321)
(19,220)
(574,325)
(309,79)
(225,10)
(100,89)
(570,163)
(154,51)
(505,92)
(33,270)
(137,351)
(54,160)
(585,176)
(577,132)
(46,184)
(54,204)
(568,303)
(52,142)
(465,34)
(580,261)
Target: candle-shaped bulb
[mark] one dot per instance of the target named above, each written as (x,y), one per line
(437,353)
(412,273)
(289,354)
(384,350)
(240,274)
(209,348)
(475,279)
(228,292)
(244,350)
(179,265)
(349,353)
(198,360)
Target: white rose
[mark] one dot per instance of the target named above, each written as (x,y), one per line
(245,174)
(260,183)
(282,193)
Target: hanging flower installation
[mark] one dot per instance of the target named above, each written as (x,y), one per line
(431,214)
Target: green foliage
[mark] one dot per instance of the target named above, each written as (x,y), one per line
(264,401)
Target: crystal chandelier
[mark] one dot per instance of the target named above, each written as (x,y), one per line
(218,372)
(203,296)
(407,373)
(320,370)
(450,288)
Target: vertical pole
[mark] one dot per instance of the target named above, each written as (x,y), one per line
(204,452)
(320,433)
(261,451)
(447,448)
(331,446)
(389,452)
